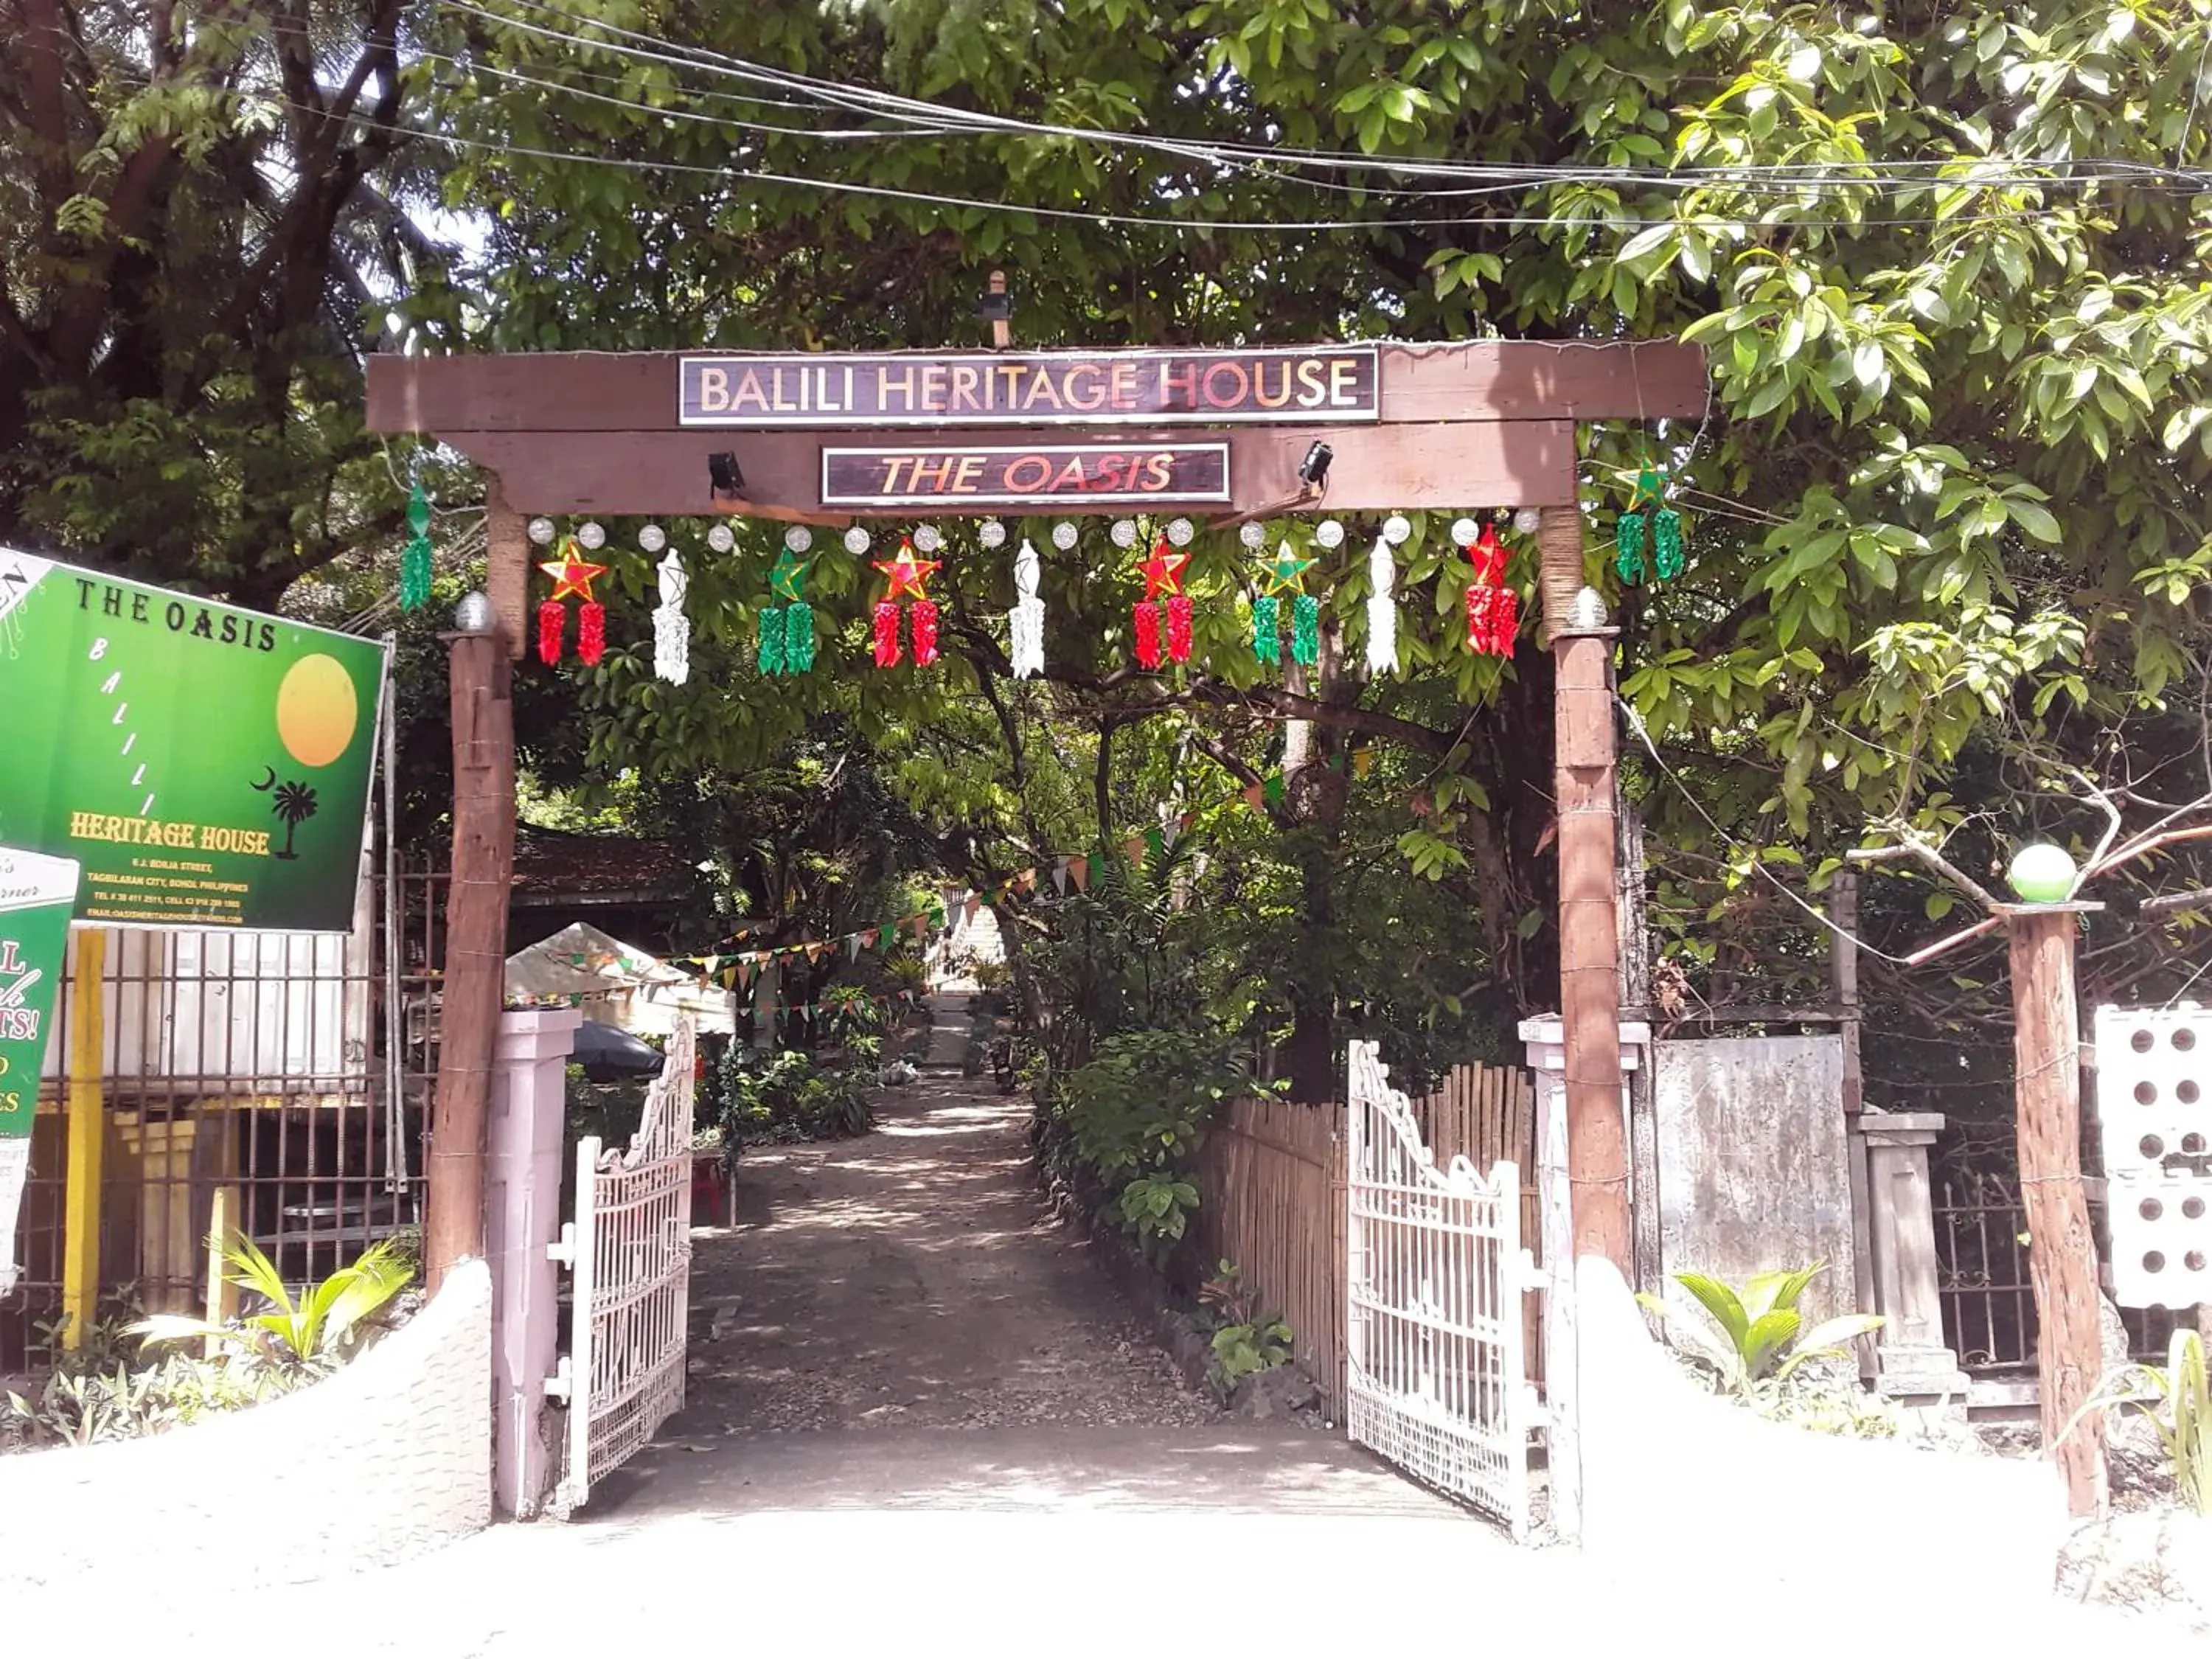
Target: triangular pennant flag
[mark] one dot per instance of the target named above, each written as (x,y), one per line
(1363,761)
(1133,850)
(974,902)
(1274,789)
(1156,844)
(1059,874)
(851,947)
(1253,794)
(1078,870)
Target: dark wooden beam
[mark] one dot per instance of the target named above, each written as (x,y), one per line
(636,391)
(1376,469)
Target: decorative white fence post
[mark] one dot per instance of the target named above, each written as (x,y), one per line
(1545,1039)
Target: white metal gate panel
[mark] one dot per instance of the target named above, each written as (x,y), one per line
(630,1248)
(1435,1373)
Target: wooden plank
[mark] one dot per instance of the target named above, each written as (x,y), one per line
(1376,469)
(636,391)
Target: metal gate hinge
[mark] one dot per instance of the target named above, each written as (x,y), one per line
(563,1249)
(560,1384)
(1530,1277)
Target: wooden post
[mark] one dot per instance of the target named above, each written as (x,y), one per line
(507,569)
(476,947)
(1002,328)
(88,1138)
(2062,1254)
(1589,986)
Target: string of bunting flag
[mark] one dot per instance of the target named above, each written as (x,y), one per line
(736,970)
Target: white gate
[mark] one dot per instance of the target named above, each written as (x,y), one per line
(630,1249)
(1435,1374)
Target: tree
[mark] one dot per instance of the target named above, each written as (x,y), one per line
(204,220)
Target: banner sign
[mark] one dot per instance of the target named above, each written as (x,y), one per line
(36,895)
(1092,473)
(1323,384)
(208,767)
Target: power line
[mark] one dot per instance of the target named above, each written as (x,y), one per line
(941,118)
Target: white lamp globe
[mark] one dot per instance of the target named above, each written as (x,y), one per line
(2042,874)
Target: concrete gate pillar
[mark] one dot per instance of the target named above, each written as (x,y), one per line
(1912,1363)
(522,1215)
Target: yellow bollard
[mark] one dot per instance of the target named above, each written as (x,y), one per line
(87,1140)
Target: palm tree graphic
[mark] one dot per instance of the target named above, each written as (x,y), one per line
(294,804)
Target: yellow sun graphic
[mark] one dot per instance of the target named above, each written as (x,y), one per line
(317,710)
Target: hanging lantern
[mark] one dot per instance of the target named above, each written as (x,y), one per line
(573,575)
(1026,621)
(1381,607)
(414,560)
(786,631)
(1163,571)
(908,575)
(1647,523)
(1493,609)
(672,628)
(1284,577)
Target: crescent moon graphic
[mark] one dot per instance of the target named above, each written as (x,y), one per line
(267,783)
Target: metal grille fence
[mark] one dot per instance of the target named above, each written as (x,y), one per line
(1988,1299)
(276,1085)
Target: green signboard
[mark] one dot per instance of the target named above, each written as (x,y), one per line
(36,896)
(207,766)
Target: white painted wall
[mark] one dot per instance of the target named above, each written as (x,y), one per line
(386,1459)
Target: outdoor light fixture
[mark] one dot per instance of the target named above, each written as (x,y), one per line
(1329,533)
(1588,614)
(1063,536)
(473,614)
(856,539)
(995,308)
(1253,534)
(724,475)
(653,538)
(2042,874)
(590,537)
(1181,531)
(1397,529)
(541,531)
(1528,520)
(1313,472)
(926,538)
(1123,533)
(1464,531)
(721,538)
(991,533)
(799,538)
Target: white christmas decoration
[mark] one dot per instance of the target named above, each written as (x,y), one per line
(1026,620)
(672,628)
(1382,609)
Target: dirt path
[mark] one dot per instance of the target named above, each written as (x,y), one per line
(913,1279)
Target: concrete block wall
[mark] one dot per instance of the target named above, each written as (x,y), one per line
(389,1457)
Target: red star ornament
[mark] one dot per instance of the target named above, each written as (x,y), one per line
(1163,572)
(909,573)
(573,574)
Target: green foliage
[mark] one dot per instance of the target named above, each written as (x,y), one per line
(316,1332)
(2182,1414)
(1246,1339)
(1756,1335)
(788,1097)
(81,1405)
(1126,1127)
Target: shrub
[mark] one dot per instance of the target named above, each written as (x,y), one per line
(1246,1341)
(1756,1334)
(316,1332)
(788,1097)
(2182,1414)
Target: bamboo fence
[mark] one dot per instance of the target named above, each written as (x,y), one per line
(1272,1187)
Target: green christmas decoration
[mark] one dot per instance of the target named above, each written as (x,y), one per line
(786,631)
(1648,521)
(1267,629)
(415,564)
(1305,630)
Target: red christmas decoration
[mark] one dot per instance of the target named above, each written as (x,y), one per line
(552,623)
(573,575)
(1146,616)
(1163,572)
(1493,609)
(591,634)
(887,645)
(908,575)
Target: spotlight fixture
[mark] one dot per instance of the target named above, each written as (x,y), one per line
(1313,472)
(652,538)
(799,538)
(991,533)
(1253,534)
(590,537)
(1329,533)
(721,538)
(724,475)
(995,306)
(541,531)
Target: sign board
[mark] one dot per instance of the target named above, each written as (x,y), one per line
(1069,475)
(1330,384)
(208,767)
(36,896)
